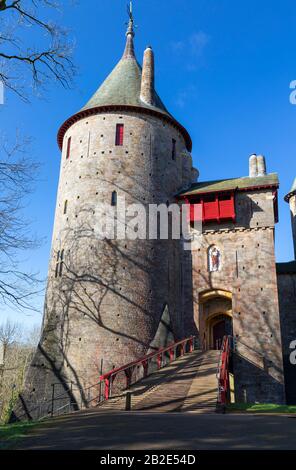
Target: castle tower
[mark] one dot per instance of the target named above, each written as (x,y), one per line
(291,199)
(106,297)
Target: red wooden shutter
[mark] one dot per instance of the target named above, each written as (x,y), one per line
(119,134)
(68,148)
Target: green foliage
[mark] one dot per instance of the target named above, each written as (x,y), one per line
(261,408)
(10,434)
(17,360)
(7,410)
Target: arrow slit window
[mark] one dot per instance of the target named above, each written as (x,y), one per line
(114,199)
(174,149)
(119,134)
(68,148)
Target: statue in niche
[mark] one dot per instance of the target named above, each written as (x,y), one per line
(214,259)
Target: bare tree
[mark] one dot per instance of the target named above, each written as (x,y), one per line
(33,49)
(17,173)
(17,352)
(9,332)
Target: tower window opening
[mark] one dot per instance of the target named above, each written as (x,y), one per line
(174,149)
(119,134)
(114,199)
(68,148)
(56,270)
(59,264)
(65,206)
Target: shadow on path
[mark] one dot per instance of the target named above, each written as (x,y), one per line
(138,430)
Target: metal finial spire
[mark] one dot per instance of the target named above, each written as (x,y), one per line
(131,10)
(130,29)
(129,51)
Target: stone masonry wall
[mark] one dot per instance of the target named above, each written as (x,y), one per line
(287,302)
(248,273)
(108,303)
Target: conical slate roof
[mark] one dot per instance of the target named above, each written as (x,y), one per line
(291,192)
(122,89)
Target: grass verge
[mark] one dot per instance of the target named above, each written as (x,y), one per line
(260,408)
(11,433)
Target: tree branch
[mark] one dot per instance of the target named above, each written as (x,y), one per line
(53,62)
(16,175)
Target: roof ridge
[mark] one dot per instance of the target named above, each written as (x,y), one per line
(230,184)
(236,178)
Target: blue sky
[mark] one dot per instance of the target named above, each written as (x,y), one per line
(223,69)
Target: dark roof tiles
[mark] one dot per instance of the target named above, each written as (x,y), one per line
(231,184)
(123,87)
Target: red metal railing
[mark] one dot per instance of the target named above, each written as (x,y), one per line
(170,352)
(223,372)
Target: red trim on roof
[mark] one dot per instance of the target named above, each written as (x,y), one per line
(289,195)
(100,109)
(263,186)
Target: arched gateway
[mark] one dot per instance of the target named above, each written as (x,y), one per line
(215,318)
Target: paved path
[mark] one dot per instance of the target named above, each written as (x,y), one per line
(143,430)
